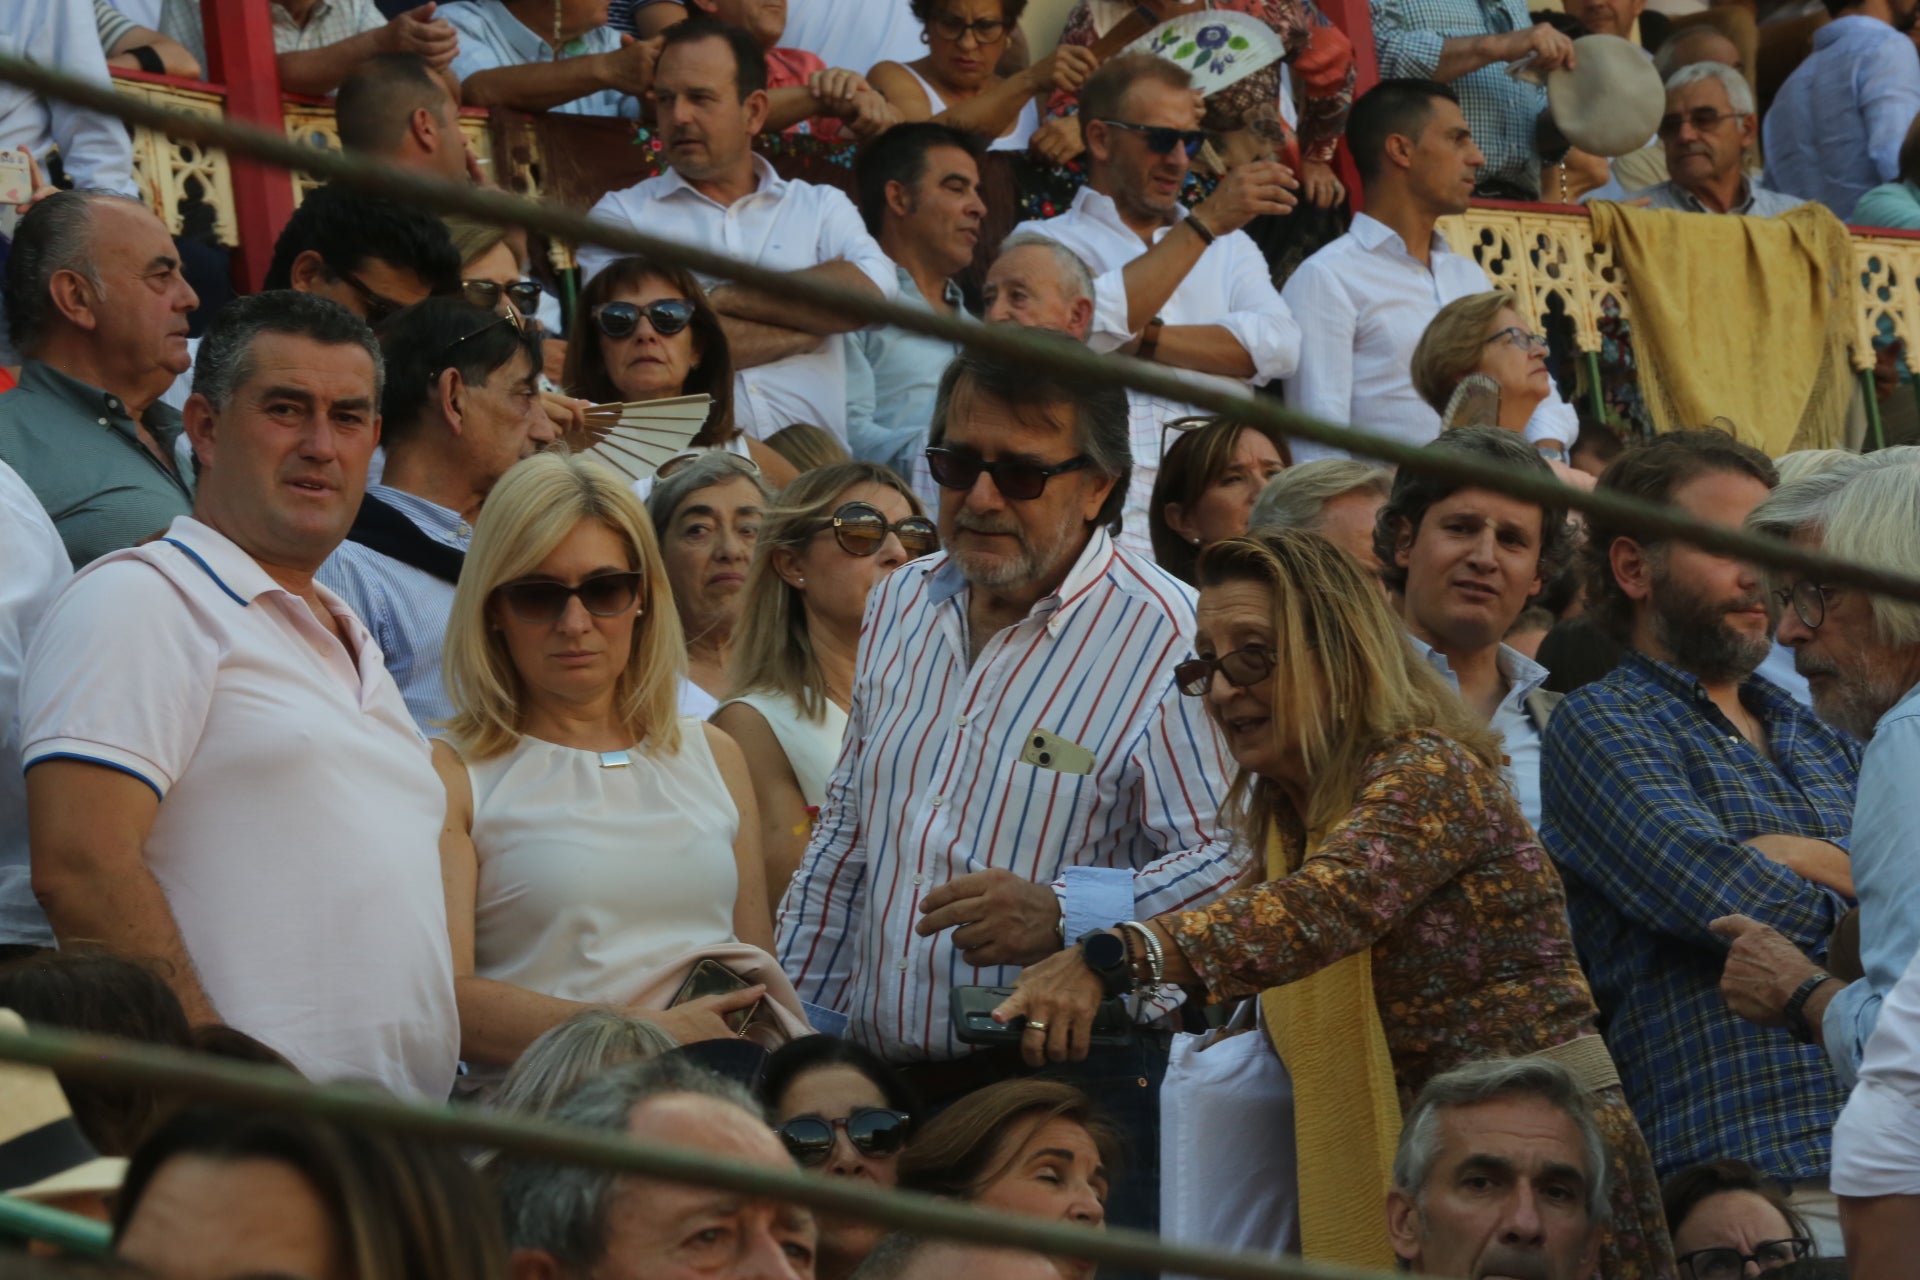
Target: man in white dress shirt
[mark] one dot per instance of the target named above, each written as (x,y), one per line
(1188,290)
(1369,295)
(233,787)
(36,568)
(711,97)
(95,148)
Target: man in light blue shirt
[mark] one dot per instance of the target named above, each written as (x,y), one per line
(1835,128)
(1463,562)
(1861,655)
(533,55)
(919,190)
(461,406)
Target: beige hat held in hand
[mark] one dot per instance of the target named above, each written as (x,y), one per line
(1612,100)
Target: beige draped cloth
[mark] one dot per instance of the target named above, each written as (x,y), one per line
(1744,323)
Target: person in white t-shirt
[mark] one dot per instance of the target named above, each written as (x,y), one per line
(711,99)
(230,784)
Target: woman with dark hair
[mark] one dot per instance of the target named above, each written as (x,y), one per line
(220,1191)
(843,1113)
(1207,484)
(644,330)
(1724,1214)
(1034,1146)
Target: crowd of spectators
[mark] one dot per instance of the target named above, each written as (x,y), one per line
(943,772)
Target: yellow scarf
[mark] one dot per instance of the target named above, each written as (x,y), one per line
(1326,1029)
(1746,319)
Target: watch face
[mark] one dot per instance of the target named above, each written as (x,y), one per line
(1105,951)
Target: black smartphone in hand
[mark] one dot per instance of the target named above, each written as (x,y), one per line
(973,1022)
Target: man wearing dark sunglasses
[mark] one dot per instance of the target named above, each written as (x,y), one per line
(1710,122)
(1186,289)
(1023,767)
(462,404)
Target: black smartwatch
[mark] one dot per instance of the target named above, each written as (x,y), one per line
(1106,954)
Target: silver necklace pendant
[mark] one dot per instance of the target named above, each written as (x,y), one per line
(615,759)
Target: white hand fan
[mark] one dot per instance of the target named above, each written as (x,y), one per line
(638,437)
(1218,47)
(1475,403)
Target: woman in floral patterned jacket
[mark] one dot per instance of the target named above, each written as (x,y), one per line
(1399,867)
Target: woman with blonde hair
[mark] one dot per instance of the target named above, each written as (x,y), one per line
(596,843)
(836,532)
(1409,921)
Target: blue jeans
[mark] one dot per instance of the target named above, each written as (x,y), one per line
(1125,1085)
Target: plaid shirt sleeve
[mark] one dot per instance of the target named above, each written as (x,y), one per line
(1621,814)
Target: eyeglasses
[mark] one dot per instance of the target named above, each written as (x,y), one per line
(1161,139)
(1701,118)
(873,1131)
(860,528)
(1523,340)
(523,294)
(985,30)
(440,361)
(668,316)
(1241,667)
(1014,478)
(1808,600)
(604,595)
(380,308)
(1729,1263)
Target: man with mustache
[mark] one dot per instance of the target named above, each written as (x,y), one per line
(1709,124)
(1835,128)
(1861,656)
(1681,788)
(222,778)
(1500,1172)
(1020,768)
(96,302)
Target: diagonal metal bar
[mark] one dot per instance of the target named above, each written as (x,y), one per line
(1059,355)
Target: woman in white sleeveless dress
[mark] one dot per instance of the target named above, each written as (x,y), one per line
(836,531)
(594,839)
(957,82)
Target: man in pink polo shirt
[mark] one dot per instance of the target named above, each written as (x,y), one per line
(221,775)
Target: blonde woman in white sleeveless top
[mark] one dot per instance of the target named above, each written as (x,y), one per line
(594,839)
(836,531)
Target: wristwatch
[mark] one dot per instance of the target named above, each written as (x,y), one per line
(1795,1014)
(1106,954)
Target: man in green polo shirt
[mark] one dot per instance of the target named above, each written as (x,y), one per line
(96,303)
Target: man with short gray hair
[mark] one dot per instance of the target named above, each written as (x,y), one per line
(1501,1170)
(1861,656)
(96,304)
(1020,768)
(578,1221)
(1336,498)
(221,775)
(1709,124)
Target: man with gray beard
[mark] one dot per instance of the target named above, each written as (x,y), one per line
(1861,656)
(1682,788)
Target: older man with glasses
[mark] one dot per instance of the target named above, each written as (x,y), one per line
(1020,768)
(1709,124)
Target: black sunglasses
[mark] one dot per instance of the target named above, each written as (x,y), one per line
(1016,479)
(860,528)
(441,360)
(668,316)
(380,308)
(1241,667)
(1161,139)
(873,1131)
(523,294)
(604,595)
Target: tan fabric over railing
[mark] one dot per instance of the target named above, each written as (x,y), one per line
(1743,319)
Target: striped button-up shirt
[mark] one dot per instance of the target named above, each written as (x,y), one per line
(930,786)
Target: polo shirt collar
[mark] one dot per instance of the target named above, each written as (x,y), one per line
(766,183)
(236,573)
(162,421)
(945,582)
(1374,235)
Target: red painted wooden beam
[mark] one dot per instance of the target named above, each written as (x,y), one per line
(240,55)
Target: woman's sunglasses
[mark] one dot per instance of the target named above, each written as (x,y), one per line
(873,1131)
(668,316)
(604,595)
(1014,478)
(860,529)
(523,294)
(1241,667)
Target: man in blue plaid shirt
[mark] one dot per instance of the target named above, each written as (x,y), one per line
(1681,788)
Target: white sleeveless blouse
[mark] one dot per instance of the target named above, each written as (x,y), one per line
(1014,139)
(591,878)
(812,746)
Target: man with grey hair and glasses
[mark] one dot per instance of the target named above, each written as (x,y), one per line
(1020,769)
(96,304)
(221,774)
(576,1221)
(1500,1171)
(1337,498)
(1861,656)
(1709,124)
